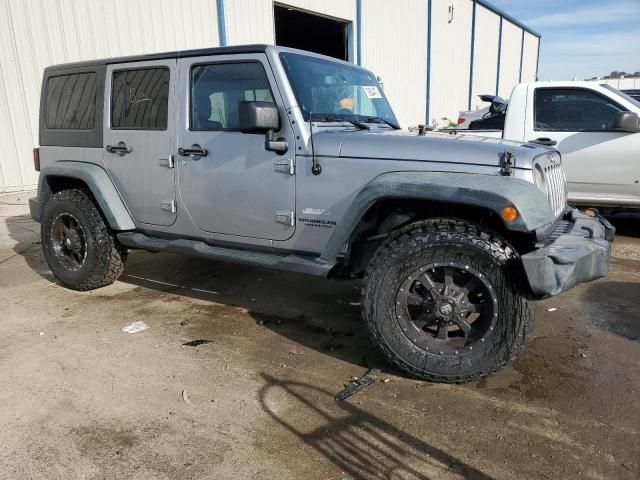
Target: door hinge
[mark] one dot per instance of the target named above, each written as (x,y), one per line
(168,205)
(167,162)
(285,217)
(285,166)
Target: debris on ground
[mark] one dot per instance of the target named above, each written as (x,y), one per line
(552,309)
(196,343)
(184,323)
(185,397)
(358,384)
(135,327)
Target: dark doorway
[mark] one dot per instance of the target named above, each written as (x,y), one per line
(298,29)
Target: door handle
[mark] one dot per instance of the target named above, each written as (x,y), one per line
(193,151)
(121,149)
(544,141)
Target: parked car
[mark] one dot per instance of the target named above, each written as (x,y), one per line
(594,127)
(497,106)
(285,159)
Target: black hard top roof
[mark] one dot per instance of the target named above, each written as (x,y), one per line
(159,56)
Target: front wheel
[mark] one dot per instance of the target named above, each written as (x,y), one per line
(443,301)
(81,250)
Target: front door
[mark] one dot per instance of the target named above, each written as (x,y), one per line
(139,138)
(600,164)
(229,183)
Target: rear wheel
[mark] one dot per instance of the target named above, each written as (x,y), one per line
(443,301)
(78,246)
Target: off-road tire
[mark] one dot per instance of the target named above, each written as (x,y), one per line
(105,257)
(446,240)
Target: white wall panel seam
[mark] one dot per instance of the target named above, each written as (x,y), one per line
(3,92)
(21,83)
(63,36)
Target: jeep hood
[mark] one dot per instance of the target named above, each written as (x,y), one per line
(382,143)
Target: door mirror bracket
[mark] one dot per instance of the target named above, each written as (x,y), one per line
(280,145)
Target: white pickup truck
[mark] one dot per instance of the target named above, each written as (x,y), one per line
(594,127)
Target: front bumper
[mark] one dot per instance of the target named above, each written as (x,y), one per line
(577,250)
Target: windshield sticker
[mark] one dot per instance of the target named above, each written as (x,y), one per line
(371,91)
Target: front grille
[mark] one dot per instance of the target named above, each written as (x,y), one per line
(555,183)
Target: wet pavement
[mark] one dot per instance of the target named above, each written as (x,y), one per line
(236,378)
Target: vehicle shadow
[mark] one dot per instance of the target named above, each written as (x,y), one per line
(614,308)
(25,233)
(317,313)
(321,314)
(626,223)
(360,444)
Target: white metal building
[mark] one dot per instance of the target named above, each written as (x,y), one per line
(433,56)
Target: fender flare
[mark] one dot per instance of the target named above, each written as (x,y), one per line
(100,185)
(488,191)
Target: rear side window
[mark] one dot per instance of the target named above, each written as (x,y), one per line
(140,99)
(217,90)
(71,101)
(573,110)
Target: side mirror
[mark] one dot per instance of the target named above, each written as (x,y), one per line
(262,117)
(626,122)
(258,117)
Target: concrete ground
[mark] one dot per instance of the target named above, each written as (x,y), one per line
(236,375)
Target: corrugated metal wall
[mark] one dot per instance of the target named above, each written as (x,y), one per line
(530,58)
(402,62)
(485,55)
(509,58)
(37,33)
(450,58)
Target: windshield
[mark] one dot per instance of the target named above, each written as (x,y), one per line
(333,90)
(628,98)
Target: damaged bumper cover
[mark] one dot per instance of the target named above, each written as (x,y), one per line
(577,250)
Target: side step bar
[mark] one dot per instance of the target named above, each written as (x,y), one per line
(291,263)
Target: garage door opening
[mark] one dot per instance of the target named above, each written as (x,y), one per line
(298,29)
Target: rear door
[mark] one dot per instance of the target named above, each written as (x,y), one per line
(139,138)
(600,164)
(236,187)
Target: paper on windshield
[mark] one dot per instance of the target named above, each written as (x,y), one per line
(371,91)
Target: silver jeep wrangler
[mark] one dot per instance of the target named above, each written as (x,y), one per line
(281,158)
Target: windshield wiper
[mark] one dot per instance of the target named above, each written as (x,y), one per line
(383,120)
(355,123)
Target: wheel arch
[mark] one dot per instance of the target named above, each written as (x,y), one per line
(65,175)
(393,200)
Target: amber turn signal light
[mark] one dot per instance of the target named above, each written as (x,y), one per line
(509,214)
